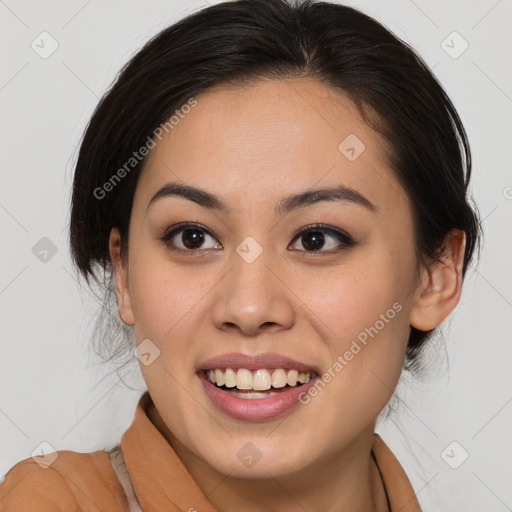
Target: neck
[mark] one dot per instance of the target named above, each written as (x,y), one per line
(348,481)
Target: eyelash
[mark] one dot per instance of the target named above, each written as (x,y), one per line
(344,238)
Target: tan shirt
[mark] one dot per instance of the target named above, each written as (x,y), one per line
(80,482)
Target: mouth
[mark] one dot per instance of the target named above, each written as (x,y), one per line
(257,384)
(258,387)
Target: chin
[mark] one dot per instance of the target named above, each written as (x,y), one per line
(248,461)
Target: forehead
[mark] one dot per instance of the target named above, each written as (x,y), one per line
(269,137)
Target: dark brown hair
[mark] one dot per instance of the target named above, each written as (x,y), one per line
(249,40)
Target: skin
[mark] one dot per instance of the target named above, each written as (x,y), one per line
(252,146)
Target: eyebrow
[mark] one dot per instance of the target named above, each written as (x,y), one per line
(339,193)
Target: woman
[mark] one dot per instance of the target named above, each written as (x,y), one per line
(278,192)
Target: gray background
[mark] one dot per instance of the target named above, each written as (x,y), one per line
(52,388)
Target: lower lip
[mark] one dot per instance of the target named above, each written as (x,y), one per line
(255,409)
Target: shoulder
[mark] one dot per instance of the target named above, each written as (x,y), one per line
(72,482)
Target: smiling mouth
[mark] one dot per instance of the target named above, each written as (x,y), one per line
(253,384)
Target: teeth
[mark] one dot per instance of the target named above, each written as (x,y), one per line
(229,378)
(219,377)
(291,377)
(243,379)
(252,395)
(259,380)
(279,378)
(304,377)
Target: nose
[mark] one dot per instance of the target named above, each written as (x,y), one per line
(253,298)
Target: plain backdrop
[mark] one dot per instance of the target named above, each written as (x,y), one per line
(53,388)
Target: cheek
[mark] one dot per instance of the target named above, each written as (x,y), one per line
(348,299)
(164,297)
(361,311)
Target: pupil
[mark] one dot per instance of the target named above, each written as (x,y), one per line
(194,238)
(313,240)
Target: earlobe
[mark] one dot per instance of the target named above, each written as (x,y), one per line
(440,287)
(120,278)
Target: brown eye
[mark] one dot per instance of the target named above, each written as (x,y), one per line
(192,238)
(322,238)
(189,237)
(313,240)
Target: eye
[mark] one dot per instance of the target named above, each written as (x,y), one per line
(191,239)
(313,238)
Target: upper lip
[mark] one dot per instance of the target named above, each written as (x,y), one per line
(256,362)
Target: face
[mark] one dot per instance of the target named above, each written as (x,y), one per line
(321,286)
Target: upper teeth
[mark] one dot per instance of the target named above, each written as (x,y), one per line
(260,380)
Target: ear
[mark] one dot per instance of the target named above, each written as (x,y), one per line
(121,277)
(440,285)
